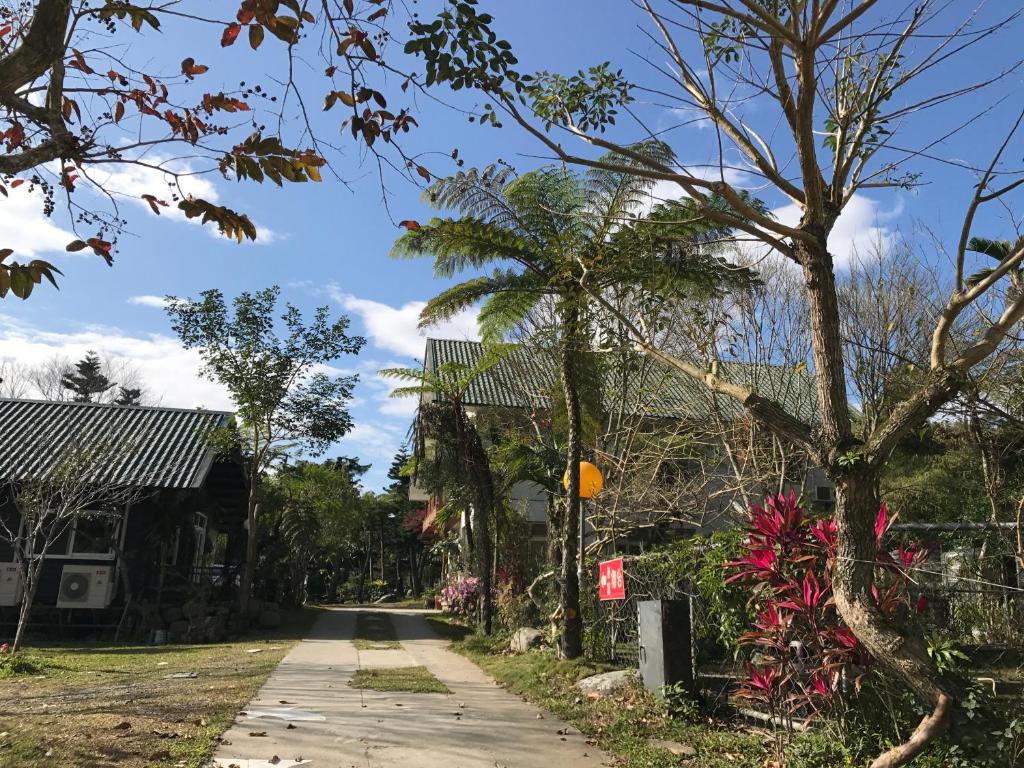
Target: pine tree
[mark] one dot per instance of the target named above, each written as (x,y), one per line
(128,396)
(86,380)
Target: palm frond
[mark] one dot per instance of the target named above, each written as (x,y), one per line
(409,391)
(461,244)
(477,194)
(613,196)
(422,377)
(551,204)
(507,308)
(997,249)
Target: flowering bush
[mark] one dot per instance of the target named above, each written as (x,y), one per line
(803,650)
(461,594)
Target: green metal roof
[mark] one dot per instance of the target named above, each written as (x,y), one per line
(528,375)
(146,446)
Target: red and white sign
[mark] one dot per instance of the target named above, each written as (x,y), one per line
(612,580)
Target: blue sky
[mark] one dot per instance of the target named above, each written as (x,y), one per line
(328,243)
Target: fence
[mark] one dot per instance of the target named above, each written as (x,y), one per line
(978,605)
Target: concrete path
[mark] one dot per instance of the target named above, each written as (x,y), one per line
(331,725)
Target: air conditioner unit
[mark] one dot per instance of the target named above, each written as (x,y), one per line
(10,584)
(85,586)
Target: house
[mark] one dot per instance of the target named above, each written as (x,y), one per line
(519,388)
(179,532)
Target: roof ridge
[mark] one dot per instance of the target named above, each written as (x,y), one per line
(68,403)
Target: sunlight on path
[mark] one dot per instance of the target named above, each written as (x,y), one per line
(478,725)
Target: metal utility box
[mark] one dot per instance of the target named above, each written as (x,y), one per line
(666,656)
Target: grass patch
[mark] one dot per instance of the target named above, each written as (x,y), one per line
(408,679)
(114,706)
(374,631)
(621,724)
(18,664)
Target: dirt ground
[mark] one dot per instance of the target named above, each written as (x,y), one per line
(133,706)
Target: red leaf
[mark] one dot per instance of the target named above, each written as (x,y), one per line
(922,604)
(17,183)
(190,69)
(230,35)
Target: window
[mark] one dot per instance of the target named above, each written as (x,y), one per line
(95,534)
(538,530)
(169,549)
(823,493)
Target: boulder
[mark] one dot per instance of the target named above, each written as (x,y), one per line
(607,682)
(524,639)
(673,747)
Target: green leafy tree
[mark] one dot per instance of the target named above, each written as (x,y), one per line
(565,236)
(319,519)
(282,403)
(128,396)
(86,380)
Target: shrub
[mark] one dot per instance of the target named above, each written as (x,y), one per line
(461,594)
(16,664)
(815,749)
(515,609)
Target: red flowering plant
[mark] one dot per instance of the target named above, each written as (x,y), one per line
(802,651)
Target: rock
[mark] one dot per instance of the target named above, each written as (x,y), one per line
(606,683)
(524,639)
(673,747)
(270,619)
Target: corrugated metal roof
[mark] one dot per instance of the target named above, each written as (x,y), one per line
(142,446)
(528,376)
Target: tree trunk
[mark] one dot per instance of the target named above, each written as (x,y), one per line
(332,585)
(415,569)
(571,645)
(28,599)
(857,504)
(245,591)
(361,592)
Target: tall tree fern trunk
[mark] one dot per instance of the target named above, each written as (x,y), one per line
(571,644)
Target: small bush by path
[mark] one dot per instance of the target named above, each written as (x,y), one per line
(408,679)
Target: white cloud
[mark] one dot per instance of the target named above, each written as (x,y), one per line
(373,440)
(148,300)
(399,407)
(670,190)
(170,372)
(396,329)
(24,228)
(863,225)
(130,182)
